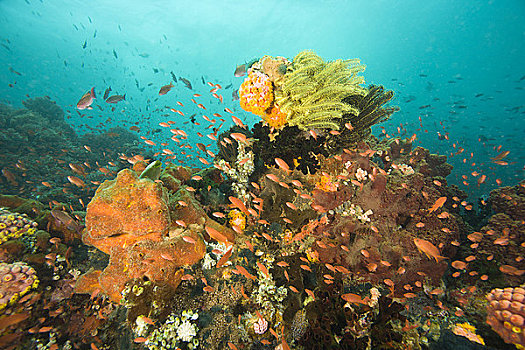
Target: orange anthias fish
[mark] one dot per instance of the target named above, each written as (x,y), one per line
(239,204)
(438,204)
(86,100)
(428,249)
(165,89)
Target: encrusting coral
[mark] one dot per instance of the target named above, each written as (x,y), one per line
(14,225)
(16,280)
(506,314)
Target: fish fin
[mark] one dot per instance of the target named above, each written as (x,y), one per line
(440,258)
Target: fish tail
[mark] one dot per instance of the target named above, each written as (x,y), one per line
(93,92)
(124,97)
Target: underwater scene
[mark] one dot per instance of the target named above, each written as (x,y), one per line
(262,175)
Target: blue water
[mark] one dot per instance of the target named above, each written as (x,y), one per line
(441,53)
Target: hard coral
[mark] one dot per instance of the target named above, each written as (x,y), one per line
(506,314)
(16,280)
(14,225)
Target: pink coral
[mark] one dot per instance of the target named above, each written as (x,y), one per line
(16,280)
(506,314)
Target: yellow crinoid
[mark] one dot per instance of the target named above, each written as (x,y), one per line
(312,92)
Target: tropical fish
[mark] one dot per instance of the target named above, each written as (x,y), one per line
(165,89)
(106,93)
(438,204)
(186,82)
(173,76)
(116,98)
(86,100)
(240,70)
(152,171)
(428,249)
(76,181)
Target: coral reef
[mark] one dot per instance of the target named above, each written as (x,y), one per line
(41,147)
(14,225)
(506,314)
(17,279)
(174,332)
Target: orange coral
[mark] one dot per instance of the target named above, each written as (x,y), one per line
(275,118)
(325,184)
(256,93)
(506,314)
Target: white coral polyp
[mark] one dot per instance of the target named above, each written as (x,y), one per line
(186,331)
(260,326)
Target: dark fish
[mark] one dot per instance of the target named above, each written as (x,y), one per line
(14,71)
(240,70)
(63,218)
(155,70)
(6,47)
(85,44)
(165,89)
(95,34)
(75,26)
(173,76)
(186,82)
(119,28)
(144,55)
(65,63)
(425,106)
(115,54)
(423,75)
(478,95)
(106,93)
(90,21)
(235,95)
(203,82)
(116,98)
(192,118)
